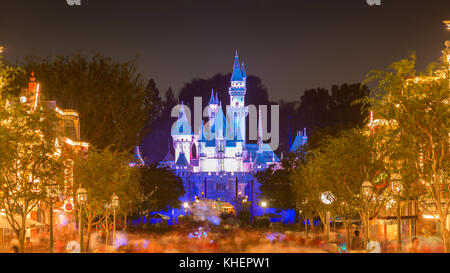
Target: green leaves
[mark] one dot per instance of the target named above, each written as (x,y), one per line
(112,99)
(160,189)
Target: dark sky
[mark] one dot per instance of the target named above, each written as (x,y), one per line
(291,45)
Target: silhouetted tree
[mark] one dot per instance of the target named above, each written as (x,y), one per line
(111,97)
(160,189)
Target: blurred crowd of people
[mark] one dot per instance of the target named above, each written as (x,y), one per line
(204,239)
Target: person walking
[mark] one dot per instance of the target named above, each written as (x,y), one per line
(415,248)
(357,243)
(374,246)
(73,246)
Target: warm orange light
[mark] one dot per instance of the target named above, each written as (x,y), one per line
(447,23)
(66,112)
(37,96)
(76,143)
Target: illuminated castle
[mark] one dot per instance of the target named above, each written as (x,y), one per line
(217,162)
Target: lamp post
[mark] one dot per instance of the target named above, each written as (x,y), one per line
(264,205)
(396,190)
(82,199)
(186,206)
(115,205)
(327,198)
(52,193)
(366,191)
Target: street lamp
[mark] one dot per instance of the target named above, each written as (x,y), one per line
(186,206)
(327,198)
(396,189)
(366,191)
(52,191)
(264,205)
(115,205)
(82,199)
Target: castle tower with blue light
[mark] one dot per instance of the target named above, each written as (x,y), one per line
(217,162)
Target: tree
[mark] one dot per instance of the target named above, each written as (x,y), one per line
(156,103)
(327,113)
(275,184)
(343,163)
(256,92)
(416,108)
(307,187)
(28,161)
(104,173)
(160,189)
(113,102)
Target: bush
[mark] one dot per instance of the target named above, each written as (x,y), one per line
(262,221)
(244,217)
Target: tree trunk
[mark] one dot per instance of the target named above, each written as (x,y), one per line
(445,233)
(88,240)
(347,233)
(22,234)
(107,231)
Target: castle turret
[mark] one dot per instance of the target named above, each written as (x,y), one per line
(213,106)
(182,135)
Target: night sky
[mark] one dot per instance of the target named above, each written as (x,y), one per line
(291,45)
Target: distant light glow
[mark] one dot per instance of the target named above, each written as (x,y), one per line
(66,112)
(429,216)
(37,96)
(76,143)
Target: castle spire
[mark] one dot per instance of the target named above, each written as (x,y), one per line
(217,98)
(244,75)
(211,100)
(237,74)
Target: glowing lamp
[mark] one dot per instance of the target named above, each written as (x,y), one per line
(327,198)
(115,201)
(23,99)
(447,23)
(366,189)
(263,204)
(185,205)
(82,196)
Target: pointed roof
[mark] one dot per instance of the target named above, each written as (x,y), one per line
(217,99)
(169,156)
(211,100)
(182,126)
(300,140)
(244,75)
(182,161)
(237,74)
(260,160)
(220,123)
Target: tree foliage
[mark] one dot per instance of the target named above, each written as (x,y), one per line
(414,110)
(160,189)
(114,104)
(28,159)
(104,173)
